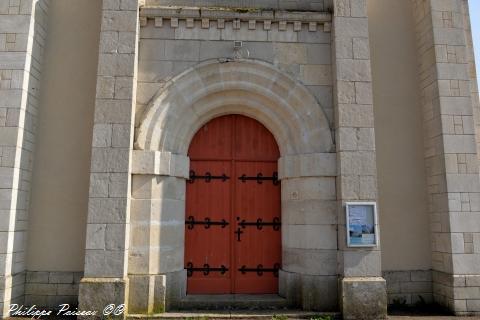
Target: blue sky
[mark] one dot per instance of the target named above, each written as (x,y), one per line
(475,17)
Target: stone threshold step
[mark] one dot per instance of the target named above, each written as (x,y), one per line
(241,315)
(229,302)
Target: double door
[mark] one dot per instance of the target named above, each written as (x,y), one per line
(233,222)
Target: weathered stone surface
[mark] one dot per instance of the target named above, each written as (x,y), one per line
(308,165)
(310,262)
(175,289)
(353,70)
(309,236)
(37,277)
(346,26)
(138,294)
(68,290)
(160,163)
(105,87)
(309,212)
(319,293)
(61,277)
(309,188)
(159,292)
(45,289)
(360,263)
(363,298)
(289,287)
(316,74)
(107,210)
(107,263)
(119,21)
(96,293)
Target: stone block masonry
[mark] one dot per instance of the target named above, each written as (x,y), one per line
(282,77)
(171,42)
(23,29)
(409,287)
(109,196)
(49,289)
(305,74)
(158,204)
(356,158)
(450,116)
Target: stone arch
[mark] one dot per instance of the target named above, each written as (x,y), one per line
(252,88)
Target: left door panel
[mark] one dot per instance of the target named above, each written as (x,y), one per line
(207,229)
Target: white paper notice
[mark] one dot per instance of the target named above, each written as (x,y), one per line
(358,215)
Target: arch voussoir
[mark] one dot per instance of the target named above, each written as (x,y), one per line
(252,88)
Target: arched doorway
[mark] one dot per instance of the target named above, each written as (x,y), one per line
(232,226)
(160,171)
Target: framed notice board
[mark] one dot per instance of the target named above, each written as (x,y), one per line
(361,224)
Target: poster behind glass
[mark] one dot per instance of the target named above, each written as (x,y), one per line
(361,224)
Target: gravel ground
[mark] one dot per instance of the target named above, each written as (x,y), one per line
(389,318)
(396,317)
(431,318)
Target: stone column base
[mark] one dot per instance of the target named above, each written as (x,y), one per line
(95,294)
(363,298)
(154,294)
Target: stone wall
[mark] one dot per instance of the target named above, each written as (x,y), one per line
(298,45)
(169,47)
(107,242)
(451,155)
(22,39)
(362,289)
(409,287)
(402,185)
(60,181)
(49,289)
(282,76)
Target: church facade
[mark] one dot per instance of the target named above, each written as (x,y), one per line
(175,155)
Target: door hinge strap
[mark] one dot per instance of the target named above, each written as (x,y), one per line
(206,269)
(260,178)
(260,269)
(276,224)
(207,177)
(190,223)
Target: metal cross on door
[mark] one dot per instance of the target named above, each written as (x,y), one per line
(232,223)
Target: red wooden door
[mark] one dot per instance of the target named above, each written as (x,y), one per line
(232,226)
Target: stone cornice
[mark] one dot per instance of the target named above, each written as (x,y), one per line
(225,14)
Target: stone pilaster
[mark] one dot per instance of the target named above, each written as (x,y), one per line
(359,268)
(157,278)
(22,38)
(106,253)
(451,158)
(308,278)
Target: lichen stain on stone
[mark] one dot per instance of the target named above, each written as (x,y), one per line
(159,308)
